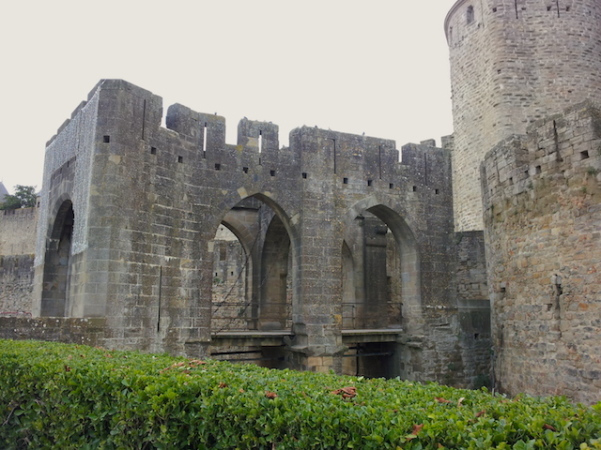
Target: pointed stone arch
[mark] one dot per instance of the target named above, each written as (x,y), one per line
(266,239)
(275,286)
(57,262)
(398,222)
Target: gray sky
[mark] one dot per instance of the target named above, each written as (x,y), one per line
(379,67)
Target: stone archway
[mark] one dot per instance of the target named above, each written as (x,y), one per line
(252,283)
(275,286)
(381,276)
(57,264)
(381,288)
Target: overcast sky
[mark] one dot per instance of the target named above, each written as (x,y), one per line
(378,67)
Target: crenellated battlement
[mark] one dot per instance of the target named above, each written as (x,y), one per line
(129,117)
(563,150)
(513,63)
(134,208)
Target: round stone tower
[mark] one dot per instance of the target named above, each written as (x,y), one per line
(512,63)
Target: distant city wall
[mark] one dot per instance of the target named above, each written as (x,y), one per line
(18,230)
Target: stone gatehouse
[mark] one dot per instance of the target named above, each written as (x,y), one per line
(340,252)
(345,254)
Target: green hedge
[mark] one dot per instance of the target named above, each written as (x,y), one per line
(67,396)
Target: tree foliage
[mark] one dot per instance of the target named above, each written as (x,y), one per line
(24,197)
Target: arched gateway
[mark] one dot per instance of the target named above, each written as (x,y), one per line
(336,255)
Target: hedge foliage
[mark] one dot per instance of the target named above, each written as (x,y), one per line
(75,397)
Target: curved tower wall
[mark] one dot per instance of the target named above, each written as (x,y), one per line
(542,210)
(514,62)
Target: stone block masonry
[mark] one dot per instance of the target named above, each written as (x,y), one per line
(513,63)
(542,200)
(18,230)
(16,285)
(128,225)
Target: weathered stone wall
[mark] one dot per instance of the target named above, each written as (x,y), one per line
(474,307)
(17,246)
(146,203)
(18,228)
(512,63)
(542,199)
(16,285)
(75,331)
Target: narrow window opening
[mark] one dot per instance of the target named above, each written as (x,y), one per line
(470,14)
(527,173)
(476,336)
(245,169)
(305,175)
(391,186)
(567,8)
(539,169)
(217,166)
(153,150)
(232,273)
(345,181)
(436,191)
(510,181)
(494,10)
(272,173)
(261,141)
(414,188)
(106,139)
(369,182)
(180,159)
(549,8)
(584,154)
(204,138)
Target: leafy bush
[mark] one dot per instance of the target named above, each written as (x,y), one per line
(68,396)
(25,197)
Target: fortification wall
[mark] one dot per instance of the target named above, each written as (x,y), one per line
(18,229)
(16,285)
(17,245)
(542,200)
(512,63)
(147,202)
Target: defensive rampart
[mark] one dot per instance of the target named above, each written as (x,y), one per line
(542,199)
(514,62)
(349,253)
(18,229)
